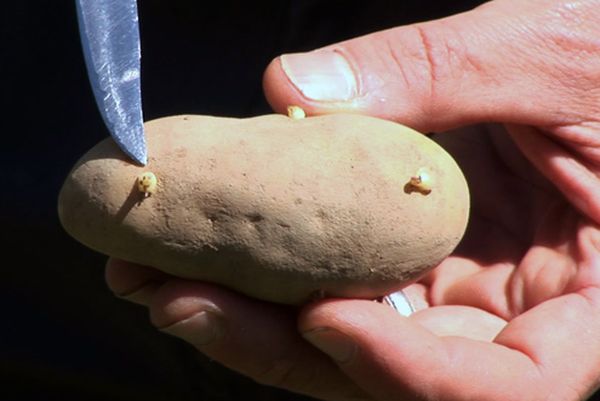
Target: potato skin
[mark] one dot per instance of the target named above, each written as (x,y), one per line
(279,209)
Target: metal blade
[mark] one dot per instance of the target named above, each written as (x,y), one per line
(111,45)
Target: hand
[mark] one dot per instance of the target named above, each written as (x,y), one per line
(514,313)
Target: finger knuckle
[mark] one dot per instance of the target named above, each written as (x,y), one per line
(432,58)
(428,57)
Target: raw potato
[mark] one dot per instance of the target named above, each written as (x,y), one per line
(277,208)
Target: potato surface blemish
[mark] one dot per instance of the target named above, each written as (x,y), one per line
(274,207)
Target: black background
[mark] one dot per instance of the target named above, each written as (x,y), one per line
(63,336)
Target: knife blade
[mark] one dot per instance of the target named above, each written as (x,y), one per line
(110,37)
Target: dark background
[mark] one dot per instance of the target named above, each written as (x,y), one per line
(63,336)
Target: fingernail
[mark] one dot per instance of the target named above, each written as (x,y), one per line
(335,344)
(322,75)
(200,329)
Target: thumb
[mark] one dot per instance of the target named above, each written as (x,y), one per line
(392,358)
(431,76)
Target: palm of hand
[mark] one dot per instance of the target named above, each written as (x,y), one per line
(529,257)
(525,244)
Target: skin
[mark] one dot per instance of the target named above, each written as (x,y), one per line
(278,209)
(514,313)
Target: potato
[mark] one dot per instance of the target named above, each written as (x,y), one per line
(281,209)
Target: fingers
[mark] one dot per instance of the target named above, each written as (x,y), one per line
(483,65)
(367,348)
(561,336)
(257,339)
(573,168)
(133,282)
(393,358)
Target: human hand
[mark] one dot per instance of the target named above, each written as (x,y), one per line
(514,313)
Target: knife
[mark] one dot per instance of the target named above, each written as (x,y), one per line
(110,38)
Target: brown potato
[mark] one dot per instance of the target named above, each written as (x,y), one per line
(277,208)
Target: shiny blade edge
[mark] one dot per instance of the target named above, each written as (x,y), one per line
(110,38)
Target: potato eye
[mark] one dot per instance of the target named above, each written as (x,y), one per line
(421,182)
(147,183)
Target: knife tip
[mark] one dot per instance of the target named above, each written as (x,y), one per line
(133,144)
(142,160)
(137,154)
